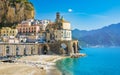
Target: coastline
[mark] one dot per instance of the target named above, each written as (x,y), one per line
(32,65)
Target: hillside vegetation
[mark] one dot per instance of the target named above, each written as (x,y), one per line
(14,11)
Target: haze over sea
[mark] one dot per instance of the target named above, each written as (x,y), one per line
(99,61)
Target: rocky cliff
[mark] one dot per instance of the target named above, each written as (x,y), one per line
(14,11)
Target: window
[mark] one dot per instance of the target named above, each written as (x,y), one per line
(69,34)
(17,48)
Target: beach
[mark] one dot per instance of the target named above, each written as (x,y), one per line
(32,65)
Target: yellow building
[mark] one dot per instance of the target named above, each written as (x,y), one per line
(60,30)
(63,31)
(7,31)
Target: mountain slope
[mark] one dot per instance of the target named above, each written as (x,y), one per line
(106,36)
(14,11)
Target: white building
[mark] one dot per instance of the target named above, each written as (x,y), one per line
(63,35)
(43,24)
(63,31)
(27,22)
(13,40)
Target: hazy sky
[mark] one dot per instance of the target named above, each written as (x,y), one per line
(82,14)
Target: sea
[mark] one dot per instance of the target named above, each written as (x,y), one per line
(98,61)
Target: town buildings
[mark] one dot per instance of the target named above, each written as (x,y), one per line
(39,37)
(59,30)
(27,28)
(33,29)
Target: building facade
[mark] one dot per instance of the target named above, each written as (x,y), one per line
(43,24)
(63,31)
(7,31)
(62,35)
(60,30)
(27,28)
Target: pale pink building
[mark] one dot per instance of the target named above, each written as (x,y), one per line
(26,27)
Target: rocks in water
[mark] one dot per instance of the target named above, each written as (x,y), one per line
(77,55)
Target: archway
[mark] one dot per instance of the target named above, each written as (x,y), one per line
(65,48)
(32,50)
(7,50)
(17,51)
(25,51)
(67,52)
(45,50)
(74,47)
(39,50)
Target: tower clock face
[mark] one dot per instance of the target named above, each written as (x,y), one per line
(63,45)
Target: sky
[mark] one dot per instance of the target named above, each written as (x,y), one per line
(82,14)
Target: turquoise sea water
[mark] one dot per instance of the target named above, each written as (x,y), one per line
(99,61)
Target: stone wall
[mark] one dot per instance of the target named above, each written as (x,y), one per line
(71,47)
(7,49)
(59,48)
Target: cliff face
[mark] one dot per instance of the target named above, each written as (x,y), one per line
(14,11)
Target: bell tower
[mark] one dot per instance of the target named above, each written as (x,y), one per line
(57,17)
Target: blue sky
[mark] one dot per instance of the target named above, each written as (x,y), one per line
(82,14)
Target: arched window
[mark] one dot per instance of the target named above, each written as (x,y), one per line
(17,50)
(25,52)
(32,50)
(7,49)
(45,50)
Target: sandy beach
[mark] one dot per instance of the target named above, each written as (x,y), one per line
(32,65)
